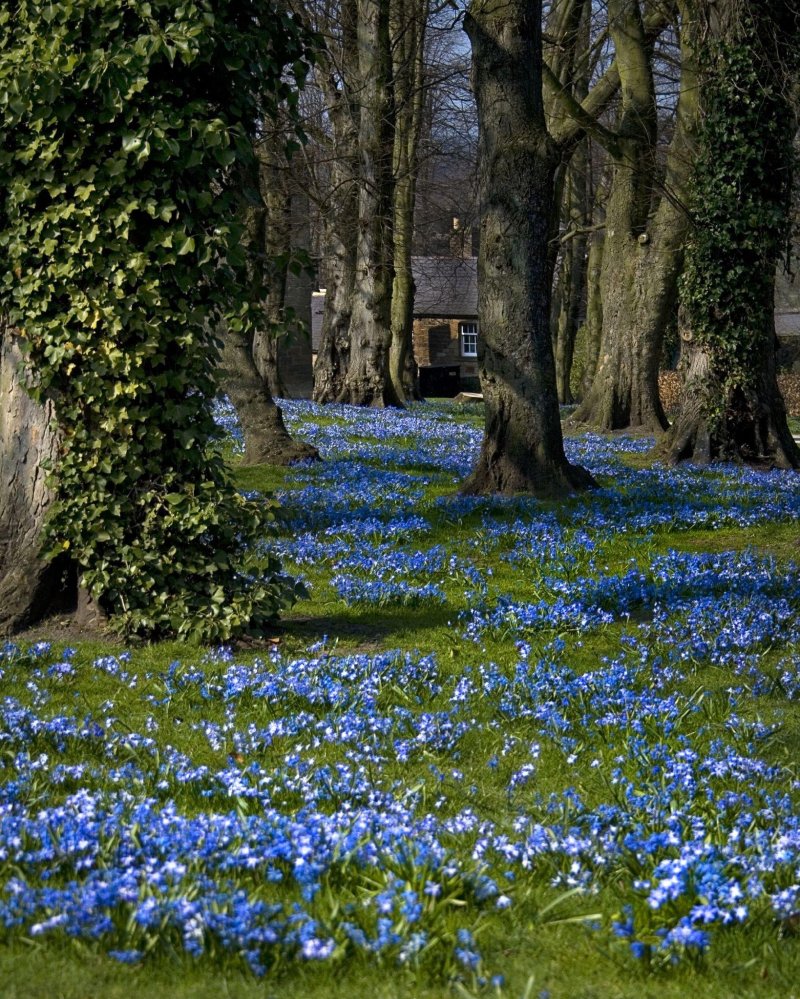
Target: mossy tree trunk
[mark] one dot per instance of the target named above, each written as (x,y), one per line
(522,449)
(730,407)
(752,427)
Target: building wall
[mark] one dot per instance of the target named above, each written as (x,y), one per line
(436,341)
(294,365)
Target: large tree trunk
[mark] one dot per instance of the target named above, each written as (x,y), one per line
(266,439)
(753,427)
(730,407)
(28,442)
(522,449)
(367,381)
(409,18)
(340,214)
(625,388)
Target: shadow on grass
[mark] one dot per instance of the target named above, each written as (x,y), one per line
(360,628)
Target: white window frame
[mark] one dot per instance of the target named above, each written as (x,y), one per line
(466,330)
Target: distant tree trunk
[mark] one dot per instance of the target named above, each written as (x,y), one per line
(730,406)
(28,442)
(409,18)
(367,381)
(266,439)
(340,214)
(270,240)
(248,386)
(568,33)
(522,449)
(280,239)
(594,308)
(572,274)
(624,392)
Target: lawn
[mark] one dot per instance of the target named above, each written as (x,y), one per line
(504,748)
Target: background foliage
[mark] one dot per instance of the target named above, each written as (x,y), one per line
(119,252)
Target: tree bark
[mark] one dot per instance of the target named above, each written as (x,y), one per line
(338,81)
(754,428)
(625,387)
(594,308)
(522,449)
(367,381)
(730,407)
(643,252)
(409,19)
(266,439)
(269,237)
(572,273)
(29,584)
(280,239)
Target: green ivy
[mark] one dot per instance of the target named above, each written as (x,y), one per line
(742,188)
(121,122)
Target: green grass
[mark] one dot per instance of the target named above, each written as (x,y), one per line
(541,951)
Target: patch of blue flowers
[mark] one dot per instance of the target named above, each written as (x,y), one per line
(118,835)
(268,809)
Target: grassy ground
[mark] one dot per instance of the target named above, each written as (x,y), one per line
(581,780)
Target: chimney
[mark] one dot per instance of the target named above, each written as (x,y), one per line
(460,240)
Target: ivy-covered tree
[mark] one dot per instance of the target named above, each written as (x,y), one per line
(120,124)
(731,407)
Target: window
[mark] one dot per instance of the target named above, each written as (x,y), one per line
(468,334)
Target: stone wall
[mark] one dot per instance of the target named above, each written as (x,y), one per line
(669,384)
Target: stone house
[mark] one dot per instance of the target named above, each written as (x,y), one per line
(445,332)
(446,318)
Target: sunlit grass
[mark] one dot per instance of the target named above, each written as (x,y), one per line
(569,679)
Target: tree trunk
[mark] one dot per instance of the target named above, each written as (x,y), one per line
(409,18)
(367,381)
(625,388)
(753,429)
(269,237)
(566,53)
(572,274)
(280,239)
(643,256)
(522,449)
(29,585)
(266,439)
(594,308)
(730,407)
(340,214)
